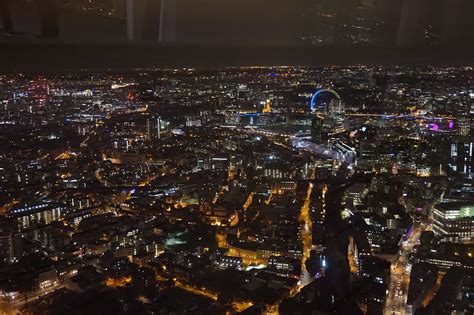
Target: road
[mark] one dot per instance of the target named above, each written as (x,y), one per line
(396,303)
(21,304)
(401,116)
(306,231)
(237,305)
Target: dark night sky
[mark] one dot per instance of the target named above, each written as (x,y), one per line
(220,32)
(334,22)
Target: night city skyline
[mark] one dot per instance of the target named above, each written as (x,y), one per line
(223,157)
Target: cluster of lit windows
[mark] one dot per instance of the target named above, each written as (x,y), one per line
(443,263)
(28,209)
(280,265)
(230,262)
(274,173)
(455,221)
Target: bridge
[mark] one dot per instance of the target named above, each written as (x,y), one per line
(314,108)
(402,116)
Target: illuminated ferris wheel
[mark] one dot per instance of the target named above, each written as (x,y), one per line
(322,104)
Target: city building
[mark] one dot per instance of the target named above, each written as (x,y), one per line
(454,218)
(462,156)
(11,246)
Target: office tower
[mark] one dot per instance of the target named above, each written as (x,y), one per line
(158,128)
(454,218)
(48,12)
(462,145)
(154,128)
(463,126)
(367,155)
(11,246)
(317,129)
(462,155)
(148,129)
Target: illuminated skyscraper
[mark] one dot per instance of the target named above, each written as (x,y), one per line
(463,126)
(11,246)
(462,156)
(154,128)
(454,218)
(317,129)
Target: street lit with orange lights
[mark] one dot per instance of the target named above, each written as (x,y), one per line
(306,236)
(396,302)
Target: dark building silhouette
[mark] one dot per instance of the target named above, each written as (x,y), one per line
(423,278)
(11,245)
(317,129)
(447,297)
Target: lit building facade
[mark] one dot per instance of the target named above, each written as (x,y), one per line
(454,218)
(462,152)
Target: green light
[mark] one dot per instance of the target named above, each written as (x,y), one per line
(467,211)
